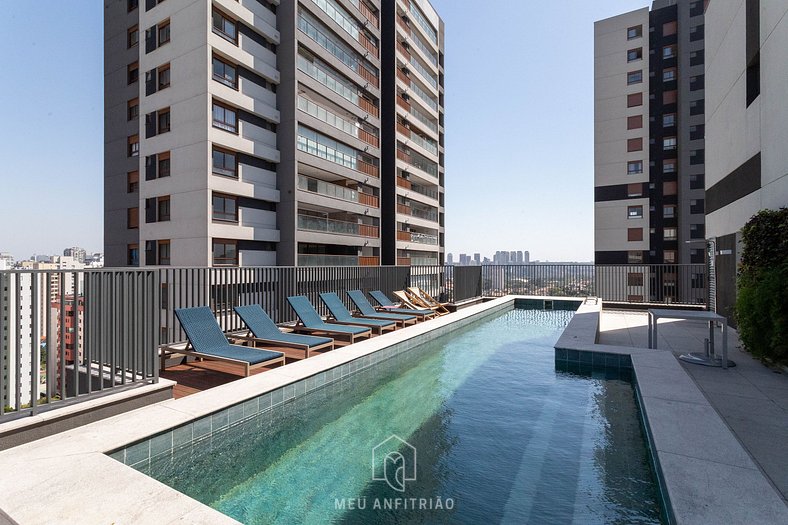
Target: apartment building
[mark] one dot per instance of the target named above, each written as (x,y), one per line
(649,146)
(746,125)
(252,133)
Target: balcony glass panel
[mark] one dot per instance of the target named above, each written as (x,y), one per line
(324,115)
(424,23)
(327,260)
(319,224)
(340,16)
(328,78)
(423,238)
(317,144)
(326,188)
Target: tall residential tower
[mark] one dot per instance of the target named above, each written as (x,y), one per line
(649,144)
(255,132)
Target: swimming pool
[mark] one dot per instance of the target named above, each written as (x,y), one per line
(491,431)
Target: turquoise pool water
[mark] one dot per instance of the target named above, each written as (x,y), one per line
(500,435)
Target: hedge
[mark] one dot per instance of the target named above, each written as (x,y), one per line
(762,284)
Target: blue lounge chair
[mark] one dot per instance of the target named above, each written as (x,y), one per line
(312,322)
(389,306)
(207,341)
(263,329)
(367,310)
(341,315)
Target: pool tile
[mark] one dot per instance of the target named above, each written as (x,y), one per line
(161,444)
(236,413)
(573,356)
(220,420)
(138,452)
(561,354)
(182,435)
(289,392)
(277,396)
(251,407)
(202,427)
(265,402)
(612,360)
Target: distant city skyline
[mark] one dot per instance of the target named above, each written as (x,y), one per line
(506,179)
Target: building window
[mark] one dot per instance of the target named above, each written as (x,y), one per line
(164,76)
(670,234)
(133,109)
(225,253)
(669,74)
(225,208)
(131,5)
(634,212)
(133,36)
(635,190)
(697,205)
(697,231)
(132,73)
(634,32)
(635,144)
(669,211)
(669,51)
(697,156)
(133,218)
(634,77)
(669,143)
(164,253)
(164,32)
(134,146)
(669,120)
(634,257)
(225,163)
(634,99)
(163,208)
(133,255)
(669,28)
(133,181)
(634,234)
(163,120)
(224,27)
(225,118)
(634,167)
(669,97)
(635,122)
(634,278)
(669,256)
(635,54)
(225,73)
(669,166)
(669,188)
(164,164)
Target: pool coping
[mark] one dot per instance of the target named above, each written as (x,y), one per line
(705,473)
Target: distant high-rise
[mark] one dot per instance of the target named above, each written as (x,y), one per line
(477,259)
(77,253)
(264,132)
(449,259)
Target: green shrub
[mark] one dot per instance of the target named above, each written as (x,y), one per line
(762,298)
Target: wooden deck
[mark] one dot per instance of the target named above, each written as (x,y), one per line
(192,379)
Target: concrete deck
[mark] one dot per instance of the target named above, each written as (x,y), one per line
(752,399)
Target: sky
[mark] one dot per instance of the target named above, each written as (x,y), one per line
(519,125)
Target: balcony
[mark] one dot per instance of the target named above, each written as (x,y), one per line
(403,209)
(336,191)
(368,44)
(423,261)
(368,14)
(403,236)
(320,224)
(423,238)
(424,190)
(369,261)
(405,53)
(404,104)
(403,77)
(403,261)
(327,260)
(368,137)
(404,183)
(367,75)
(430,215)
(368,106)
(403,129)
(367,168)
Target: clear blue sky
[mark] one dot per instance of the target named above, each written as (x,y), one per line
(519,121)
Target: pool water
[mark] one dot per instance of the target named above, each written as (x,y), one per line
(499,435)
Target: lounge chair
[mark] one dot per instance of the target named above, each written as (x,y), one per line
(412,302)
(263,330)
(311,322)
(341,315)
(389,306)
(419,296)
(367,310)
(207,341)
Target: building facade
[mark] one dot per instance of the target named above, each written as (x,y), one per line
(746,125)
(649,146)
(258,133)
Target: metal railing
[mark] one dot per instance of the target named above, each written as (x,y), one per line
(72,335)
(68,335)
